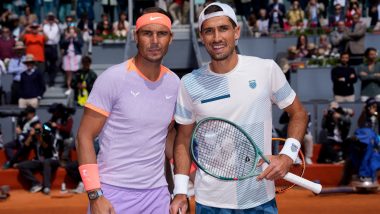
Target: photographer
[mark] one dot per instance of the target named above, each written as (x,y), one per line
(25,120)
(362,147)
(336,124)
(62,121)
(41,137)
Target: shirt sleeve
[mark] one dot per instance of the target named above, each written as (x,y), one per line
(184,107)
(282,94)
(102,96)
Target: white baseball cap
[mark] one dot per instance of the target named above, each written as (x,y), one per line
(226,11)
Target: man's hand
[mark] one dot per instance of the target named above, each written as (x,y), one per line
(101,206)
(278,167)
(179,202)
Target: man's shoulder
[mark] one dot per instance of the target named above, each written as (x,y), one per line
(254,62)
(114,71)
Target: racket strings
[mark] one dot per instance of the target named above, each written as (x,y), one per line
(224,150)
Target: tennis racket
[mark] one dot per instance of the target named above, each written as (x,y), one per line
(298,167)
(225,151)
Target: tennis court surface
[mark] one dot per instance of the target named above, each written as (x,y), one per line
(293,201)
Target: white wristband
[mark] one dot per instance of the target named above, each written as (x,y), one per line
(291,148)
(181,183)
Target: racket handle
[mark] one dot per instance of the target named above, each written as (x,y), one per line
(302,182)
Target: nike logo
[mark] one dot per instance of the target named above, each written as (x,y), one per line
(135,93)
(154,18)
(168,97)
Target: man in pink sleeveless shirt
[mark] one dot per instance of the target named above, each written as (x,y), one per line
(131,108)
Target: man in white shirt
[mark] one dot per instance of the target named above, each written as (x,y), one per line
(240,89)
(51,30)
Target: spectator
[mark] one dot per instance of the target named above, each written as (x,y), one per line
(64,9)
(120,27)
(336,124)
(257,5)
(262,24)
(62,122)
(252,23)
(34,40)
(276,15)
(29,16)
(314,11)
(86,6)
(374,13)
(343,77)
(109,8)
(48,6)
(312,51)
(369,74)
(355,39)
(71,46)
(87,29)
(302,46)
(295,15)
(83,81)
(16,67)
(103,28)
(6,43)
(64,25)
(5,20)
(352,10)
(23,127)
(308,141)
(175,10)
(18,26)
(32,84)
(337,16)
(369,118)
(51,30)
(324,44)
(46,158)
(179,10)
(338,41)
(363,159)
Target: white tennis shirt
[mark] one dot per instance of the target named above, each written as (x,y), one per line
(243,96)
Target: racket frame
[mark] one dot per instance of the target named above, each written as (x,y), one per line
(257,151)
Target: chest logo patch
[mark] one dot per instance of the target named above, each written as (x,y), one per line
(252,84)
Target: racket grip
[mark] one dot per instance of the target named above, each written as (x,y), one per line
(302,182)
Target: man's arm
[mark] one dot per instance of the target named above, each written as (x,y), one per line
(90,126)
(298,120)
(280,164)
(182,162)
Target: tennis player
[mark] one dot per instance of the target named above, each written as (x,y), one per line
(240,89)
(130,107)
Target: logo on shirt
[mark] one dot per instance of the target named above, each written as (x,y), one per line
(135,93)
(168,97)
(154,18)
(252,84)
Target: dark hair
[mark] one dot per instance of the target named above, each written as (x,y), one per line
(30,109)
(157,10)
(216,8)
(345,53)
(366,53)
(86,59)
(299,40)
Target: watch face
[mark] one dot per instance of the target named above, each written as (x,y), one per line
(93,195)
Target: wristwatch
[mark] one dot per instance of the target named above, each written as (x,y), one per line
(94,194)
